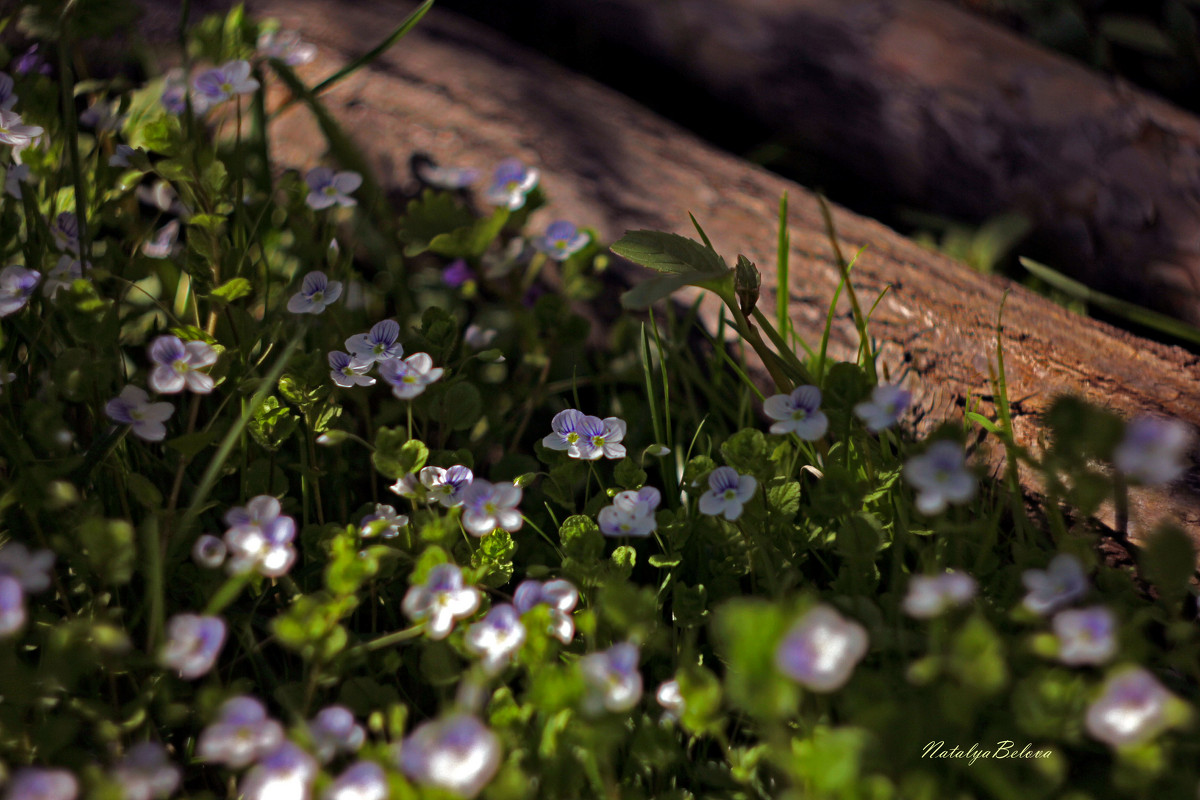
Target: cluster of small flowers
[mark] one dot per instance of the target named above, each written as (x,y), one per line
(22,572)
(586,437)
(486,506)
(631,513)
(177,367)
(408,377)
(145,773)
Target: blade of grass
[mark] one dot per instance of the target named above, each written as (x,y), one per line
(644,352)
(860,319)
(782,251)
(666,385)
(699,230)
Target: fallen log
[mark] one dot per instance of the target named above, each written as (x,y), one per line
(470,98)
(941,110)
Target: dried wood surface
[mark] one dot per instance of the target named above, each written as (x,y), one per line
(471,98)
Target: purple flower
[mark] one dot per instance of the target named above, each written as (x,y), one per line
(347,371)
(221,83)
(209,551)
(511,182)
(383,521)
(941,476)
(562,240)
(379,344)
(15,132)
(146,773)
(567,427)
(457,273)
(1132,708)
(477,337)
(31,569)
(886,406)
(13,178)
(1060,584)
(316,292)
(497,637)
(488,506)
(821,650)
(133,407)
(193,644)
(163,242)
(16,287)
(287,772)
(179,364)
(1085,635)
(931,595)
(12,606)
(260,537)
(174,95)
(362,780)
(560,595)
(1154,450)
(241,734)
(457,754)
(613,677)
(121,157)
(408,377)
(65,230)
(327,188)
(335,730)
(442,599)
(631,513)
(35,783)
(727,492)
(31,61)
(799,413)
(446,486)
(8,97)
(286,46)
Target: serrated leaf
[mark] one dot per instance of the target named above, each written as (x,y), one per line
(670,253)
(431,215)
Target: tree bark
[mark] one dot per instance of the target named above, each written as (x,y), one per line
(470,98)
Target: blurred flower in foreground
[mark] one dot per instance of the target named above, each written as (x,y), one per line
(335,730)
(384,521)
(209,551)
(511,182)
(193,644)
(260,537)
(884,409)
(497,637)
(287,772)
(1154,450)
(146,772)
(1133,707)
(1086,635)
(488,506)
(631,513)
(16,287)
(821,650)
(727,492)
(940,476)
(221,83)
(560,595)
(362,780)
(615,682)
(441,600)
(931,595)
(670,697)
(162,244)
(799,413)
(241,734)
(34,783)
(1060,584)
(458,754)
(286,46)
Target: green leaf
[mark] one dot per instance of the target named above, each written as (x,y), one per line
(748,632)
(624,558)
(581,538)
(670,253)
(429,216)
(233,290)
(664,561)
(108,546)
(472,241)
(192,443)
(784,498)
(143,490)
(1169,561)
(828,760)
(649,292)
(701,693)
(629,474)
(746,451)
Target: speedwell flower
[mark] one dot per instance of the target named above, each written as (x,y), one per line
(65,230)
(65,272)
(13,178)
(335,730)
(941,476)
(133,407)
(327,188)
(241,734)
(147,773)
(409,376)
(260,537)
(931,595)
(497,637)
(884,409)
(1060,584)
(670,697)
(16,287)
(18,134)
(631,513)
(35,783)
(12,606)
(193,644)
(822,649)
(286,46)
(8,97)
(209,551)
(442,599)
(347,371)
(488,506)
(384,520)
(1085,635)
(1132,708)
(446,486)
(511,182)
(162,243)
(568,434)
(316,292)
(287,771)
(457,754)
(562,240)
(362,780)
(614,680)
(799,413)
(560,595)
(1153,450)
(221,83)
(179,365)
(379,344)
(727,492)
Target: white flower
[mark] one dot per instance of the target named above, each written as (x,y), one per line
(329,188)
(614,680)
(335,730)
(441,600)
(497,637)
(133,407)
(221,83)
(384,520)
(241,734)
(316,292)
(1060,584)
(822,649)
(146,772)
(409,376)
(163,242)
(941,476)
(260,537)
(511,182)
(631,513)
(286,772)
(14,132)
(670,698)
(362,780)
(1154,450)
(1131,709)
(488,506)
(16,286)
(347,371)
(931,595)
(799,413)
(193,644)
(379,344)
(286,46)
(560,595)
(446,486)
(727,493)
(1086,635)
(886,406)
(35,783)
(457,754)
(209,551)
(178,364)
(479,338)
